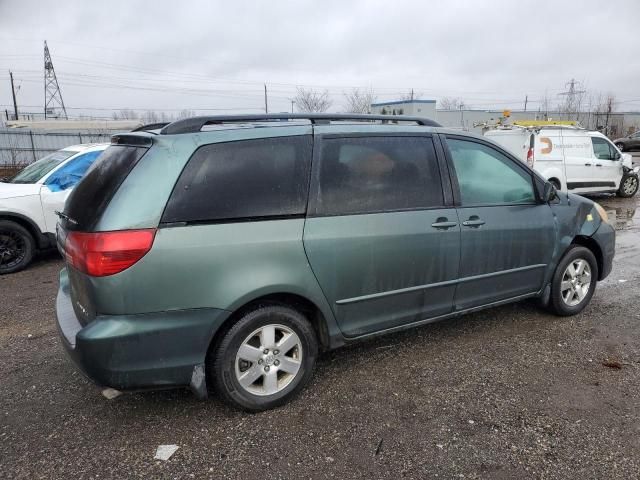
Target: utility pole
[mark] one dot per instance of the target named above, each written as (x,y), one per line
(412,94)
(573,98)
(526,98)
(13,92)
(292,102)
(266,105)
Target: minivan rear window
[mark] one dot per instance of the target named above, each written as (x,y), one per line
(243,180)
(92,194)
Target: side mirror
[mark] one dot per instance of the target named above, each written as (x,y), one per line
(617,156)
(549,193)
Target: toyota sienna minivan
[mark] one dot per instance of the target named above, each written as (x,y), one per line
(224,253)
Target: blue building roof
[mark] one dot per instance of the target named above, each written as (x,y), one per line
(401,102)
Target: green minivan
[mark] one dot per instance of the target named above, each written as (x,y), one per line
(224,253)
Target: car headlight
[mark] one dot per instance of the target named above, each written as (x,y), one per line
(601,211)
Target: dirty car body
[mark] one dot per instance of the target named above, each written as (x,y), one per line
(352,229)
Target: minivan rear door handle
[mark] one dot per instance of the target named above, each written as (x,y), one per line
(443,223)
(474,221)
(587,164)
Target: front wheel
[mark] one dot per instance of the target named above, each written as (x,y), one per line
(620,146)
(17,247)
(628,186)
(264,359)
(574,281)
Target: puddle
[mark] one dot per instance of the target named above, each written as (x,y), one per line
(623,218)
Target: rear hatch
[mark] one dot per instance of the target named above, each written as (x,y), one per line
(90,254)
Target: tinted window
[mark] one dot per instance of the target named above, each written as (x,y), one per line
(602,149)
(71,173)
(242,180)
(487,177)
(87,201)
(375,174)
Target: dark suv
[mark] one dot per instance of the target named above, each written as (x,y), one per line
(631,142)
(225,252)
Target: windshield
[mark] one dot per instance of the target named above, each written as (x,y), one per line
(34,172)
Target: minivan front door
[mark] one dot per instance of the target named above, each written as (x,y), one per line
(379,237)
(608,165)
(507,236)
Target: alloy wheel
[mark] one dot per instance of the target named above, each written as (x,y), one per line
(576,282)
(13,249)
(630,185)
(268,360)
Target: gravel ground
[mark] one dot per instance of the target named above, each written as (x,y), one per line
(511,392)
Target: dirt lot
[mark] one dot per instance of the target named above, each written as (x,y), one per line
(511,392)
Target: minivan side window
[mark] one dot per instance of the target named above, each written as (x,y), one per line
(487,177)
(377,174)
(241,180)
(602,149)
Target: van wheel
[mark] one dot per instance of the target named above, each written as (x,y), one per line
(628,186)
(17,247)
(264,359)
(574,281)
(556,183)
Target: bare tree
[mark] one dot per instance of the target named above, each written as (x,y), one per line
(186,114)
(311,101)
(451,103)
(126,114)
(359,101)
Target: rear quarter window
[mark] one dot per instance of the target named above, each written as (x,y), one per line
(243,180)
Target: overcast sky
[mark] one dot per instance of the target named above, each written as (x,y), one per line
(210,55)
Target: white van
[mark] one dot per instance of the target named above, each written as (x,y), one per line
(572,158)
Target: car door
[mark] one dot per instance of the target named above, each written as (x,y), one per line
(608,167)
(58,185)
(578,158)
(507,235)
(382,236)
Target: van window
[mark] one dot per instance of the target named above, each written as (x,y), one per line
(377,174)
(248,179)
(88,201)
(487,177)
(603,150)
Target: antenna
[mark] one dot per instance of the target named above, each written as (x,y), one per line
(52,95)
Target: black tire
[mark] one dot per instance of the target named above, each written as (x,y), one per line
(17,247)
(221,362)
(620,146)
(628,186)
(557,304)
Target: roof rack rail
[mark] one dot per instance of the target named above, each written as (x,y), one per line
(195,124)
(151,126)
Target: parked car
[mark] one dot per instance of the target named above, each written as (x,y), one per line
(631,142)
(573,159)
(29,200)
(263,241)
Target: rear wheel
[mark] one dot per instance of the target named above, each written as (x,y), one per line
(264,359)
(17,247)
(620,146)
(628,186)
(574,281)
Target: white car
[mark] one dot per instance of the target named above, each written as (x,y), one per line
(29,201)
(573,159)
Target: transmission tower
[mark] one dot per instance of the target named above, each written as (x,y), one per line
(574,97)
(52,95)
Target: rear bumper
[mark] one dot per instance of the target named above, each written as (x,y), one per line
(135,352)
(605,237)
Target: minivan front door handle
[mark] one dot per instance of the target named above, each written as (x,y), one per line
(587,164)
(443,223)
(474,221)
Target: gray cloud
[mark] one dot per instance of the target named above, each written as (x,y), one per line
(210,55)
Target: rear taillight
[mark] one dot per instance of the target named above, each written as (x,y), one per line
(530,157)
(105,253)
